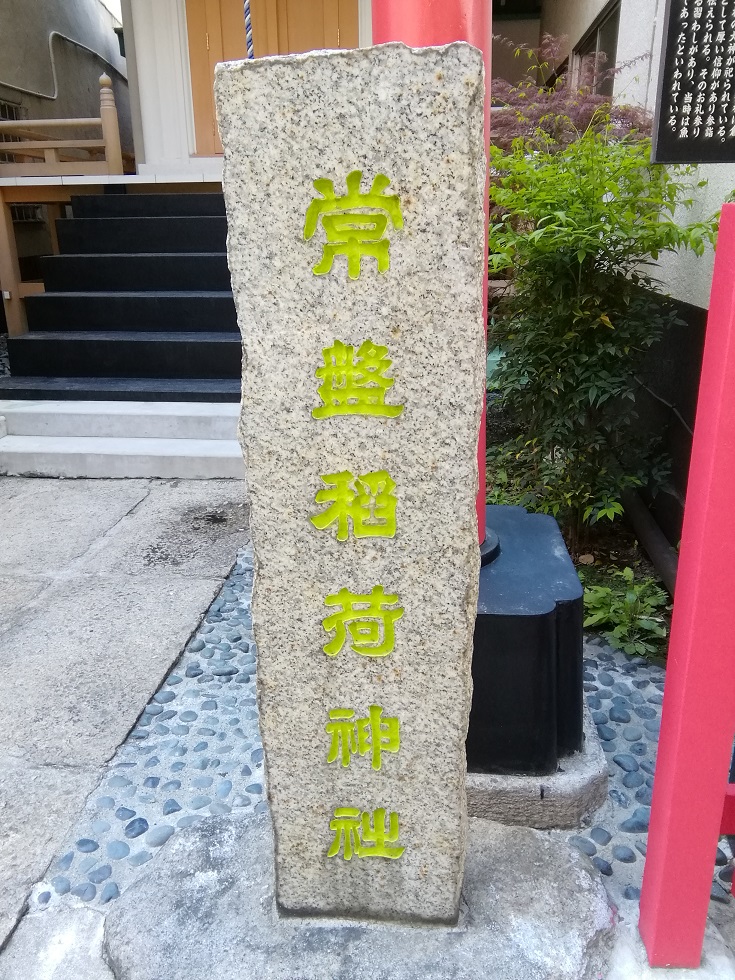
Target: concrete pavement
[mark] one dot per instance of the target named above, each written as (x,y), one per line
(101,584)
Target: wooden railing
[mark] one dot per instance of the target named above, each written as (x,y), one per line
(33,152)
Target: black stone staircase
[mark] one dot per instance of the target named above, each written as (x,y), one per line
(138,305)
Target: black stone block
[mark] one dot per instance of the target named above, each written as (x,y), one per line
(527,661)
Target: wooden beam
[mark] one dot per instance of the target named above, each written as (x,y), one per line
(30,289)
(45,193)
(82,168)
(28,146)
(15,315)
(110,126)
(18,125)
(53,213)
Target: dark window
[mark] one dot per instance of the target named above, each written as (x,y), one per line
(597,52)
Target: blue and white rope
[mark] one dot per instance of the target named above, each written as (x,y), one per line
(249,31)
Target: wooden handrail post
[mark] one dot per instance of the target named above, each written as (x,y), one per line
(10,272)
(110,126)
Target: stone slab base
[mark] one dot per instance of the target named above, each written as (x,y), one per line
(532,909)
(564,799)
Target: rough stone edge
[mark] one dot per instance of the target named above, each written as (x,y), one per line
(255,64)
(562,800)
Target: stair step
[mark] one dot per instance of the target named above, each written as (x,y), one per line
(156,271)
(94,236)
(193,390)
(141,311)
(75,457)
(118,420)
(126,353)
(147,205)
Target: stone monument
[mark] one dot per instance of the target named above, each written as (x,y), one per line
(354,183)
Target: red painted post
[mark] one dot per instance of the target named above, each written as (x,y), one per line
(698,719)
(422,23)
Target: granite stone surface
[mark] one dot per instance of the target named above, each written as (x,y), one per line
(415,117)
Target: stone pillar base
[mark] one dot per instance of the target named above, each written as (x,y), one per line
(564,799)
(531,907)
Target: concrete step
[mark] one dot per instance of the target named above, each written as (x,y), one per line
(121,419)
(72,457)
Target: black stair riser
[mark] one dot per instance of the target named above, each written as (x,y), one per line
(91,236)
(149,311)
(154,271)
(146,205)
(124,357)
(122,389)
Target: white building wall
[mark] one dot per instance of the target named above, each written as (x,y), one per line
(640,34)
(158,29)
(684,276)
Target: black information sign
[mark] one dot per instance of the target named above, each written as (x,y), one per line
(695,110)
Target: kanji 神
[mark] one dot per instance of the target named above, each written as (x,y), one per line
(367,618)
(355,385)
(367,501)
(364,834)
(350,228)
(372,735)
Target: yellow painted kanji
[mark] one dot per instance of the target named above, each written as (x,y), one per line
(363,834)
(367,736)
(355,385)
(353,223)
(367,618)
(367,502)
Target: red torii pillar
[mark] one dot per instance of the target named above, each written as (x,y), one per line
(423,23)
(692,801)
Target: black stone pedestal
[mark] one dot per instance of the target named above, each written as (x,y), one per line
(527,661)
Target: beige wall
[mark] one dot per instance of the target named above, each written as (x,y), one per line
(61,79)
(570,19)
(513,34)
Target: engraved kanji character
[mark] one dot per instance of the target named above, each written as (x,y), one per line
(355,385)
(351,229)
(369,620)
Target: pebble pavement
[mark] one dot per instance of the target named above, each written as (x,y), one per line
(625,696)
(195,752)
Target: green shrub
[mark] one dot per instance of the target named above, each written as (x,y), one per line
(629,613)
(576,227)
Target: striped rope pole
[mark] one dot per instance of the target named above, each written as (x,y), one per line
(249,31)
